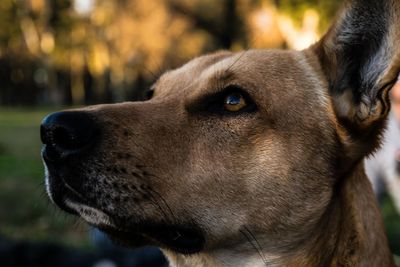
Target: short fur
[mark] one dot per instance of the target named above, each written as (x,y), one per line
(281,184)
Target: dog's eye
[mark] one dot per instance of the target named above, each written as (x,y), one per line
(234,102)
(230,101)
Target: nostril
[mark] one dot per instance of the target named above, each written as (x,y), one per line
(67,139)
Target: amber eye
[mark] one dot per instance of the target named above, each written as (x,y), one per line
(234,102)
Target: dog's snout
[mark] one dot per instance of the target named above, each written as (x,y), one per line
(66,133)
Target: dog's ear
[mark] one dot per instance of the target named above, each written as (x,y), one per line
(360,58)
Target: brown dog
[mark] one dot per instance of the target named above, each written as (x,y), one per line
(242,159)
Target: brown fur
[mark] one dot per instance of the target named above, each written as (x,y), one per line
(281,186)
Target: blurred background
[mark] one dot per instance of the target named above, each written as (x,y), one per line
(60,53)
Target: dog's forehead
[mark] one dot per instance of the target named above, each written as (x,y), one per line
(258,67)
(190,72)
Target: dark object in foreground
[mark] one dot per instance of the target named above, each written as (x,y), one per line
(29,254)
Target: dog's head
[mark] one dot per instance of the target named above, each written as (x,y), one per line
(230,141)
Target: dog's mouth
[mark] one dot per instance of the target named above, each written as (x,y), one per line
(185,239)
(181,238)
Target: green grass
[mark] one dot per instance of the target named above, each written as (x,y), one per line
(392,224)
(25,211)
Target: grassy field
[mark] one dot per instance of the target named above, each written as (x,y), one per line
(25,211)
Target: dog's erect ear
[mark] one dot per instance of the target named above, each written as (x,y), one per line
(360,58)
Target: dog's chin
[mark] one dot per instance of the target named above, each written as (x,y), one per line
(182,239)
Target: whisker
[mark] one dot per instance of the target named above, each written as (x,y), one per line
(43,194)
(40,185)
(155,202)
(251,238)
(251,41)
(76,223)
(155,77)
(165,203)
(76,192)
(236,61)
(160,69)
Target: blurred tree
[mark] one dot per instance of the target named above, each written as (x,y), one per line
(18,42)
(86,52)
(296,9)
(225,28)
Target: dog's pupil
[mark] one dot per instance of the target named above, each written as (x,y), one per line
(233,100)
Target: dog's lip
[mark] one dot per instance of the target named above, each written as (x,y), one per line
(60,193)
(91,215)
(185,239)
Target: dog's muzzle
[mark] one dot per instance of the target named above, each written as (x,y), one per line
(67,137)
(72,145)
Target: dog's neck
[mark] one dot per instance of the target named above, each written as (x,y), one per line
(350,233)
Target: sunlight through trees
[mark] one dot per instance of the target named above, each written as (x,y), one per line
(84,52)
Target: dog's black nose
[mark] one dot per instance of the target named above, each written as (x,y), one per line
(66,133)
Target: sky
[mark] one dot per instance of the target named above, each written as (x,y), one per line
(84,6)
